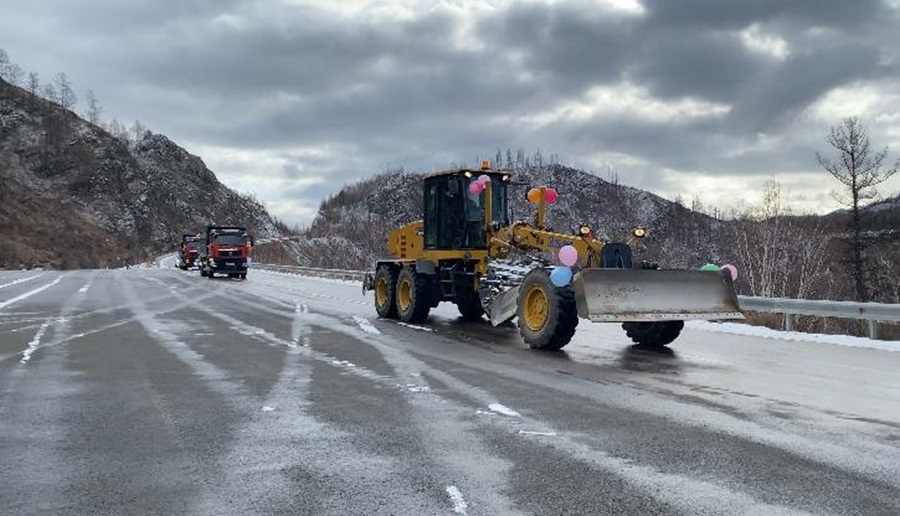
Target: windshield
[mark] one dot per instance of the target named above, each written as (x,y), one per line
(229,239)
(475,206)
(191,242)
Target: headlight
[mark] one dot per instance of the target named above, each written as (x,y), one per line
(640,232)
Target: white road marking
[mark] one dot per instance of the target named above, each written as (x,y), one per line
(415,327)
(459,504)
(365,325)
(268,408)
(21,280)
(34,343)
(531,432)
(503,409)
(30,293)
(411,387)
(84,289)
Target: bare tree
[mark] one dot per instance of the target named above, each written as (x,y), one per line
(860,170)
(9,71)
(4,64)
(118,130)
(93,107)
(34,84)
(48,91)
(67,97)
(138,130)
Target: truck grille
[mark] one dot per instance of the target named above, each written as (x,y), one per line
(230,254)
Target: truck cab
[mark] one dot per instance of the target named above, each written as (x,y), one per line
(189,252)
(226,250)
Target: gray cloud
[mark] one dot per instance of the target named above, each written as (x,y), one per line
(312,97)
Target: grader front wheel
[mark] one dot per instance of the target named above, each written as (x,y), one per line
(653,334)
(547,313)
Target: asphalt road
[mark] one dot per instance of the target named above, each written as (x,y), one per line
(155,391)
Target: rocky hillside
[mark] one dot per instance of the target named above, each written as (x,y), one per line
(779,255)
(73,195)
(350,228)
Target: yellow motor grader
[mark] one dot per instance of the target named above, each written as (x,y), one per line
(459,253)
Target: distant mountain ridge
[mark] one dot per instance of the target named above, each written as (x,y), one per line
(782,256)
(351,226)
(73,195)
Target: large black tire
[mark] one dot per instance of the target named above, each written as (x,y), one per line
(413,296)
(653,334)
(469,305)
(386,280)
(210,274)
(202,272)
(243,275)
(547,314)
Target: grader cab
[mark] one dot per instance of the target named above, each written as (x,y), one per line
(460,253)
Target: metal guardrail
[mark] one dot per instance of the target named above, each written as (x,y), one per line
(872,312)
(313,271)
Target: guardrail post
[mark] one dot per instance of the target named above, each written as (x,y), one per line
(873,329)
(788,321)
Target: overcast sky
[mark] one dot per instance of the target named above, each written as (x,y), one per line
(291,99)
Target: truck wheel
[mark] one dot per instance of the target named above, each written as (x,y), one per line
(202,272)
(469,306)
(547,314)
(210,274)
(243,275)
(413,295)
(386,292)
(653,334)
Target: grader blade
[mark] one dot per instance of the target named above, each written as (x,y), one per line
(611,295)
(504,306)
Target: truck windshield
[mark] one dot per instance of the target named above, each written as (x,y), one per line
(230,239)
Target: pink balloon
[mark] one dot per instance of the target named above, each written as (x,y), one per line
(732,270)
(568,255)
(550,196)
(476,188)
(484,178)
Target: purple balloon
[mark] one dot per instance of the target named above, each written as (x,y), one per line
(568,255)
(483,178)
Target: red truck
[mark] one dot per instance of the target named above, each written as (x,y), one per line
(226,250)
(189,252)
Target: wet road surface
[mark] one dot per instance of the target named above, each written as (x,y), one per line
(156,391)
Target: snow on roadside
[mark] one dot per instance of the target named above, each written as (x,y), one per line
(459,503)
(768,333)
(365,325)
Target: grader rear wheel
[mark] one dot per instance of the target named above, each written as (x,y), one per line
(413,295)
(547,313)
(386,292)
